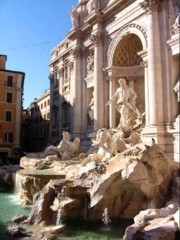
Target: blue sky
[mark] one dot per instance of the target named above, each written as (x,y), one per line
(29,29)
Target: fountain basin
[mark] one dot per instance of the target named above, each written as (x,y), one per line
(32,181)
(53,229)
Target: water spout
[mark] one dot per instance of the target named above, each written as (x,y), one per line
(59,218)
(15,198)
(63,191)
(105,218)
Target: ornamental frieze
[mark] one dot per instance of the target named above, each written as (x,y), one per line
(151,5)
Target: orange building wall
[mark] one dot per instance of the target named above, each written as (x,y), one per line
(5,106)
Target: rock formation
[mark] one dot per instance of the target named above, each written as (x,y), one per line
(134,180)
(158,223)
(118,173)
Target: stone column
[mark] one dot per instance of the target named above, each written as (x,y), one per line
(99,104)
(61,78)
(76,92)
(167,66)
(112,106)
(51,78)
(154,67)
(156,126)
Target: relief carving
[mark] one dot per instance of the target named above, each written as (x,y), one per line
(75,17)
(90,63)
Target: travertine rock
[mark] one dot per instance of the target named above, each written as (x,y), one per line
(41,210)
(134,180)
(157,224)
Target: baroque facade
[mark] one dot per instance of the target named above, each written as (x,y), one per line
(110,39)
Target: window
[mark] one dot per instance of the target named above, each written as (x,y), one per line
(9,97)
(65,112)
(66,72)
(48,102)
(41,106)
(48,116)
(8,137)
(10,81)
(8,116)
(44,104)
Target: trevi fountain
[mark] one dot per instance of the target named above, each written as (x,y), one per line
(127,178)
(118,177)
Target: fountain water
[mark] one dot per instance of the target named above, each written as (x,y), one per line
(105,218)
(59,218)
(15,198)
(63,191)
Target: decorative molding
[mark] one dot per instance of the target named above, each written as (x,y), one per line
(131,28)
(177,90)
(126,54)
(144,63)
(77,51)
(71,65)
(51,77)
(96,38)
(152,5)
(176,25)
(61,71)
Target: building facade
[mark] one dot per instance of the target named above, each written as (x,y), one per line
(38,125)
(134,39)
(11,92)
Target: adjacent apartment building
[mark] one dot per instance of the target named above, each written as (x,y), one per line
(39,117)
(109,40)
(11,92)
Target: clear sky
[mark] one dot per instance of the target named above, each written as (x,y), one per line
(29,29)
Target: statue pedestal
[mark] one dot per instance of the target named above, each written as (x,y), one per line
(162,136)
(176,133)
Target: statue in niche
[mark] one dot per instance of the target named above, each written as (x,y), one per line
(177,90)
(126,105)
(74,17)
(94,5)
(90,63)
(91,111)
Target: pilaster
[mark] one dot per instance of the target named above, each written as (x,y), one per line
(77,90)
(99,105)
(156,125)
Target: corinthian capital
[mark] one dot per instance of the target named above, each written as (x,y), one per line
(151,5)
(77,51)
(96,38)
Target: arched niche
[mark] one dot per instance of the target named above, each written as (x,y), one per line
(125,60)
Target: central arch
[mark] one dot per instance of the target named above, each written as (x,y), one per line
(125,60)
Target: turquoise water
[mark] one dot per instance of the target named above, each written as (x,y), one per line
(78,230)
(9,207)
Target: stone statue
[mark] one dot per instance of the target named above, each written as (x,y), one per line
(65,149)
(91,111)
(177,89)
(96,4)
(107,147)
(90,63)
(74,17)
(126,105)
